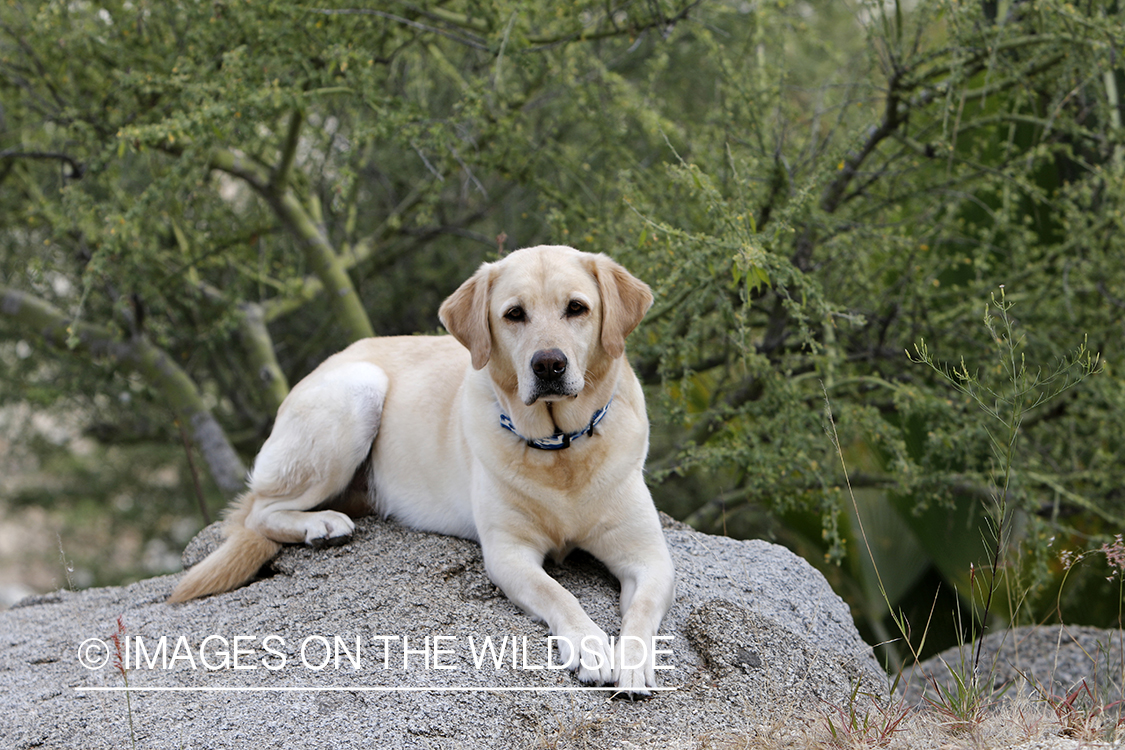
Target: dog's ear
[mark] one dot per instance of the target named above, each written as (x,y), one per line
(625,300)
(465,315)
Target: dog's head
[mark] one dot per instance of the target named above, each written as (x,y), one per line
(546,317)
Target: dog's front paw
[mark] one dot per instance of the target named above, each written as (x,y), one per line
(587,654)
(327,528)
(634,670)
(632,684)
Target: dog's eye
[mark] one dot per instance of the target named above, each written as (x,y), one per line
(575,308)
(515,314)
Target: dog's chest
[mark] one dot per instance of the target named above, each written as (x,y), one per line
(563,501)
(569,474)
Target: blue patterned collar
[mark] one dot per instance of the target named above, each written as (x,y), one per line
(560,439)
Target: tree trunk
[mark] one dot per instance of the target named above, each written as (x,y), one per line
(138,353)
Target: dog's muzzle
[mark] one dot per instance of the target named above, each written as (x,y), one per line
(549,367)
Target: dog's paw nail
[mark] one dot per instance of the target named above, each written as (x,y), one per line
(632,695)
(328,529)
(633,685)
(322,542)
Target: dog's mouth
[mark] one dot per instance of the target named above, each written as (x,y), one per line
(550,391)
(550,396)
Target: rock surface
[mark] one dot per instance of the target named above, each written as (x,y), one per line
(1046,663)
(756,634)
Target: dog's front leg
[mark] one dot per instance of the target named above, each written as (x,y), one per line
(517,569)
(646,594)
(635,552)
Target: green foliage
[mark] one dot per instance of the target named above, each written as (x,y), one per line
(848,186)
(165,165)
(812,188)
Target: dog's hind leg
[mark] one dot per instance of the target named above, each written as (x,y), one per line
(324,431)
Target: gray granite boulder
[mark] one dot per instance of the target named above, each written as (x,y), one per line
(1048,663)
(381,643)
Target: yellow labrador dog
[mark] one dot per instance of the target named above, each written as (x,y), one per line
(525,431)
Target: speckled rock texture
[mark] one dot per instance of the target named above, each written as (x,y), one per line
(380,643)
(1049,663)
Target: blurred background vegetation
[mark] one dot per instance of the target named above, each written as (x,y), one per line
(200,201)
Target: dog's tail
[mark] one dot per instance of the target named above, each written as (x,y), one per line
(243,552)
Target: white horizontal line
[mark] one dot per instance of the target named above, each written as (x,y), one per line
(358,689)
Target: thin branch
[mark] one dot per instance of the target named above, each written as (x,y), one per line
(238,165)
(77,169)
(476,43)
(834,193)
(1010,44)
(280,179)
(660,22)
(194,474)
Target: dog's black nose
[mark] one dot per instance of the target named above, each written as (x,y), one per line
(548,364)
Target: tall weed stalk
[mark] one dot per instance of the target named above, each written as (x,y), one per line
(120,661)
(1020,391)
